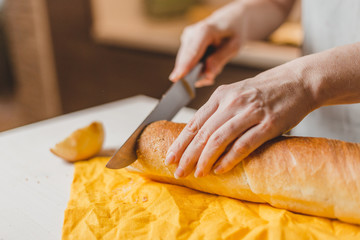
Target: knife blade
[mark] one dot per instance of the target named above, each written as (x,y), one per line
(178,96)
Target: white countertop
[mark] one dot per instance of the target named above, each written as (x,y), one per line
(123,23)
(35,184)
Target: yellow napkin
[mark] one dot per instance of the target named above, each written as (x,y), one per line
(116,204)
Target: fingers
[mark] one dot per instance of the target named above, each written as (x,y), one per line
(222,137)
(227,50)
(188,133)
(207,80)
(242,147)
(194,42)
(193,151)
(216,62)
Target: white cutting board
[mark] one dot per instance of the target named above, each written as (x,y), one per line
(35,185)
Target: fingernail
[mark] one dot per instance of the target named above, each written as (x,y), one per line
(201,82)
(205,81)
(218,170)
(170,158)
(198,173)
(209,75)
(179,172)
(172,76)
(198,84)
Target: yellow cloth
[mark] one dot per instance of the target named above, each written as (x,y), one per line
(116,204)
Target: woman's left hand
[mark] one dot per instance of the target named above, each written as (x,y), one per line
(238,118)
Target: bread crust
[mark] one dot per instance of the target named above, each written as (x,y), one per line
(315,176)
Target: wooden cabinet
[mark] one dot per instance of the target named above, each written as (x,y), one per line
(35,95)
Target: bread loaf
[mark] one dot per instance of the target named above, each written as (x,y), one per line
(314,176)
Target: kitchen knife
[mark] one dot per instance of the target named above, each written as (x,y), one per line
(178,96)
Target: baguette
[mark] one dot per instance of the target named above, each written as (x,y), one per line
(314,176)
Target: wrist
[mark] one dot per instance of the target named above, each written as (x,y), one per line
(229,19)
(332,76)
(311,80)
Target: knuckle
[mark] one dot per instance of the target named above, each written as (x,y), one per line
(192,127)
(220,90)
(235,100)
(200,29)
(233,126)
(241,148)
(207,107)
(188,33)
(176,146)
(269,124)
(232,103)
(210,106)
(217,140)
(188,30)
(253,94)
(201,138)
(186,161)
(204,28)
(256,107)
(248,99)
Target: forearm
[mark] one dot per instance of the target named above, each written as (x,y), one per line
(332,76)
(251,19)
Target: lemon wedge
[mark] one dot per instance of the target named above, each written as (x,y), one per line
(81,144)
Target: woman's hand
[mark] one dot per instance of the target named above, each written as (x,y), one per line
(194,42)
(223,31)
(238,118)
(227,29)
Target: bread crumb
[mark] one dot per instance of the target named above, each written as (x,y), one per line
(38,182)
(26,179)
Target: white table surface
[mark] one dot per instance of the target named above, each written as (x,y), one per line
(35,184)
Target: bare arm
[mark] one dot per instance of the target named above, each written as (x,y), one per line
(251,19)
(333,76)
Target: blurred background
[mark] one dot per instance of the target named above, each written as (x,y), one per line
(60,56)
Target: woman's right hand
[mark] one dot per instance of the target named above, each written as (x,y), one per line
(195,40)
(227,29)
